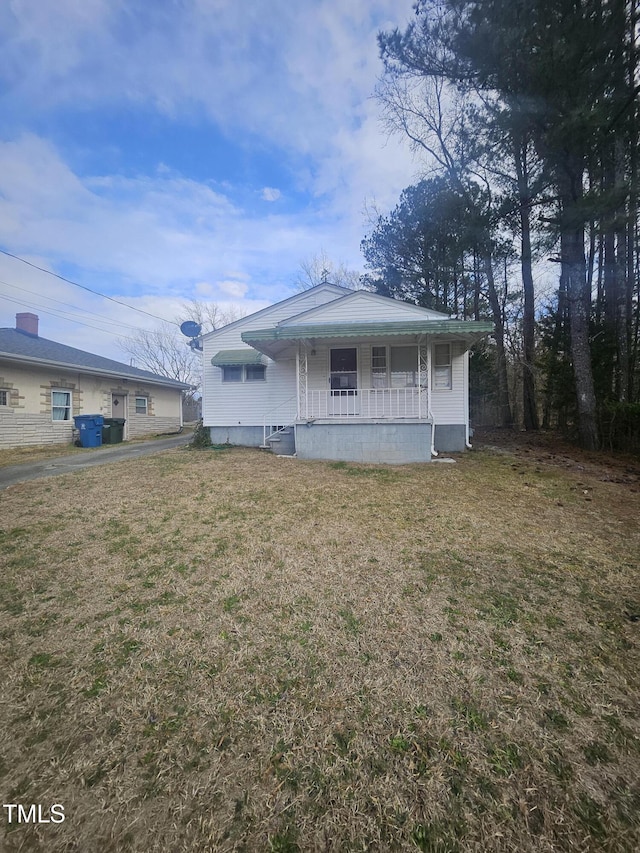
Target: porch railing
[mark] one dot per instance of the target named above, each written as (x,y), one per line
(365,403)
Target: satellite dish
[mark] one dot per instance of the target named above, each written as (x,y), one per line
(190,329)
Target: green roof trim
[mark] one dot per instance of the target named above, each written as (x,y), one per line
(355,330)
(236,356)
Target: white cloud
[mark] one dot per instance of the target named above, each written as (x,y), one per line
(298,75)
(270,194)
(152,233)
(295,76)
(203,288)
(237,289)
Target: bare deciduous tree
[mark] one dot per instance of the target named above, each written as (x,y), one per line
(165,350)
(319,269)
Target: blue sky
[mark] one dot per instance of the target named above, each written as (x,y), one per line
(177,149)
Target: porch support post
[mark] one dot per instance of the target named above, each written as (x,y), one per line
(298,407)
(302,370)
(423,374)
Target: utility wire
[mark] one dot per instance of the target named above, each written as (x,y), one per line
(88,289)
(61,316)
(84,311)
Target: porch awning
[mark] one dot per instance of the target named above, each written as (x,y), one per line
(270,341)
(236,356)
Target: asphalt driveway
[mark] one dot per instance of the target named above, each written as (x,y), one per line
(13,474)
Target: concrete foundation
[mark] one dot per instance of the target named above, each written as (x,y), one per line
(395,442)
(400,441)
(243,436)
(450,438)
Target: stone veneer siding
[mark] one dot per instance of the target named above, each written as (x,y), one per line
(18,429)
(141,425)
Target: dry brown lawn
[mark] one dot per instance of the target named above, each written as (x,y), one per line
(225,651)
(37,452)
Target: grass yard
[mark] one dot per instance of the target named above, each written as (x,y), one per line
(38,452)
(226,651)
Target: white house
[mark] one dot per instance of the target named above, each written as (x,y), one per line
(339,374)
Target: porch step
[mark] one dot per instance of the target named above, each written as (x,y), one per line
(282,443)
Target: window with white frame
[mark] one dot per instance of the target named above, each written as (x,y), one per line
(394,367)
(254,373)
(60,404)
(379,378)
(243,373)
(442,377)
(142,406)
(4,397)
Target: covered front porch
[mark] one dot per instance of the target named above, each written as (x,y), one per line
(365,372)
(363,391)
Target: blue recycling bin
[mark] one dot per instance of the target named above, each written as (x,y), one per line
(89,429)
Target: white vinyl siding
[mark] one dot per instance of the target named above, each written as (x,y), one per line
(229,337)
(248,404)
(275,400)
(363,307)
(448,406)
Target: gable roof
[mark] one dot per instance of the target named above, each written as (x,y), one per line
(334,291)
(363,306)
(21,347)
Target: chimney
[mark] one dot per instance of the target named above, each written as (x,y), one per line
(27,323)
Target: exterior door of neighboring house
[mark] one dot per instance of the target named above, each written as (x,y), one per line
(119,409)
(343,381)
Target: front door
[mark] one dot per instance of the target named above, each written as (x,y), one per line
(343,381)
(119,409)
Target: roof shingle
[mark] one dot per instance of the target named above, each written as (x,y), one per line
(15,344)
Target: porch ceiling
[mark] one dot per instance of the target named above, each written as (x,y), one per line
(277,341)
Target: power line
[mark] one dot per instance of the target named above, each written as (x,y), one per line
(61,316)
(83,287)
(118,323)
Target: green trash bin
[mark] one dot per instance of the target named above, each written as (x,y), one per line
(113,430)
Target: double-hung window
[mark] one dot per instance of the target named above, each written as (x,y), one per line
(243,373)
(60,404)
(142,406)
(442,378)
(254,372)
(394,367)
(4,397)
(379,367)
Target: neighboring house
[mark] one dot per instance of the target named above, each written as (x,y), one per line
(339,374)
(44,384)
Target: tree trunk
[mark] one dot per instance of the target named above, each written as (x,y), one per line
(529,402)
(579,300)
(506,417)
(530,408)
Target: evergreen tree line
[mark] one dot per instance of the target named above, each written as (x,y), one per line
(527,113)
